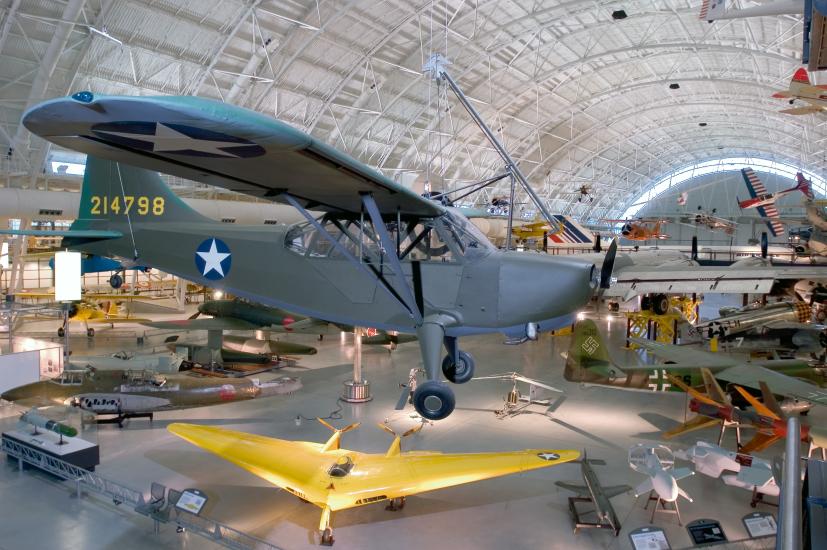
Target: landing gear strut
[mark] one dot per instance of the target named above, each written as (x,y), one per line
(433,399)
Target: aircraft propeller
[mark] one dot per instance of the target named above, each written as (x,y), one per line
(764,245)
(694,248)
(606,269)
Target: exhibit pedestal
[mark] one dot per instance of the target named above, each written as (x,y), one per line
(75,451)
(357,392)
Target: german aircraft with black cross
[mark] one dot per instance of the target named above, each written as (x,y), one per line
(378,256)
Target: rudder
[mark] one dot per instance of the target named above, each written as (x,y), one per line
(115,195)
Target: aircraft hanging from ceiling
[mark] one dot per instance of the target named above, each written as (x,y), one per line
(641,229)
(801,89)
(814,49)
(380,256)
(765,202)
(336,479)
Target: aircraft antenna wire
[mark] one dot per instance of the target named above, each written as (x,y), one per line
(128,217)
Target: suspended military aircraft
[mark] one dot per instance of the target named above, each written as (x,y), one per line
(336,479)
(380,255)
(710,221)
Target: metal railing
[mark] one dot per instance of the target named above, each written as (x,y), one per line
(89,481)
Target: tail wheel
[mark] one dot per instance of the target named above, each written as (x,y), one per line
(327,537)
(90,332)
(61,332)
(462,371)
(434,400)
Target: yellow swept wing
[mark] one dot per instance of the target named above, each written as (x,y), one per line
(305,470)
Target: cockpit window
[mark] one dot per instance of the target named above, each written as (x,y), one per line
(341,468)
(446,238)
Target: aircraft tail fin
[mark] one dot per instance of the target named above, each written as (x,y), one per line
(117,197)
(713,388)
(395,448)
(334,442)
(712,10)
(587,353)
(803,185)
(800,80)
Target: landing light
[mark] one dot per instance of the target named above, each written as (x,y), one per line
(83,97)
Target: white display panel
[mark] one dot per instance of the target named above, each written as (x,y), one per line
(17,369)
(67,276)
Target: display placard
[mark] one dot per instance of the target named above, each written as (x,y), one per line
(649,538)
(192,501)
(706,531)
(67,276)
(760,524)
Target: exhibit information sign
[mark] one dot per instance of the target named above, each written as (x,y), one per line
(192,501)
(760,524)
(649,538)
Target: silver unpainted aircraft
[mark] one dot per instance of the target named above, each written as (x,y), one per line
(380,255)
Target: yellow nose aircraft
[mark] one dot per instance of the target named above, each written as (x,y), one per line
(334,479)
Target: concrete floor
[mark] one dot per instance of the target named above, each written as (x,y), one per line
(520,511)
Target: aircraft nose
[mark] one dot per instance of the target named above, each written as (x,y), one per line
(538,287)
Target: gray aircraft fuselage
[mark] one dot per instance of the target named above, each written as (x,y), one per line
(492,292)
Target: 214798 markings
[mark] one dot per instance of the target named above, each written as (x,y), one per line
(143,206)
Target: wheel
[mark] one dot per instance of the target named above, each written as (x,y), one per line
(645,303)
(614,307)
(116,281)
(61,332)
(660,304)
(90,332)
(327,537)
(460,373)
(433,400)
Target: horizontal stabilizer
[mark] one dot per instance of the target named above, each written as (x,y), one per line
(754,476)
(77,233)
(680,473)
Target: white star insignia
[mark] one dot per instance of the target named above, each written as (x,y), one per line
(167,139)
(213,259)
(549,456)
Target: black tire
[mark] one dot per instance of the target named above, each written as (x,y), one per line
(90,332)
(461,373)
(614,307)
(645,303)
(434,400)
(61,332)
(660,304)
(116,281)
(327,537)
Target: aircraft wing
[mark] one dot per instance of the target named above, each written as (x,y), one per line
(801,110)
(780,384)
(754,476)
(631,280)
(579,490)
(215,323)
(615,490)
(282,463)
(756,188)
(221,145)
(685,357)
(77,233)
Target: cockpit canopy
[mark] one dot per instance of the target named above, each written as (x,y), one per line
(447,238)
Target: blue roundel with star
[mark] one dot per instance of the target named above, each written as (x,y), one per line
(213,259)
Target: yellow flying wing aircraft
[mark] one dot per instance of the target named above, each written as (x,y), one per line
(336,479)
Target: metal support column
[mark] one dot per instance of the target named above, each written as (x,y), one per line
(436,67)
(790,528)
(358,389)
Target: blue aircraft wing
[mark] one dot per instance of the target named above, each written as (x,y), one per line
(221,145)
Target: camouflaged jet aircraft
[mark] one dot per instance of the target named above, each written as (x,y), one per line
(380,255)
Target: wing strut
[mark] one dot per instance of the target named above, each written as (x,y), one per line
(350,257)
(390,247)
